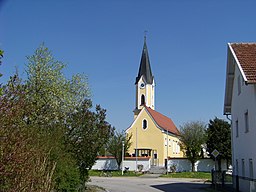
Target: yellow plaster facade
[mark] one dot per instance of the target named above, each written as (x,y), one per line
(152,141)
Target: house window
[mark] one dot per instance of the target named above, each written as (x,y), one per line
(144,124)
(243,168)
(174,146)
(237,167)
(246,119)
(239,84)
(251,168)
(142,100)
(237,130)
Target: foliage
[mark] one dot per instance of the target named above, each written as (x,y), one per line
(219,138)
(192,137)
(88,133)
(1,56)
(49,137)
(115,145)
(53,97)
(22,159)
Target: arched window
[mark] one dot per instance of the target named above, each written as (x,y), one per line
(142,100)
(144,124)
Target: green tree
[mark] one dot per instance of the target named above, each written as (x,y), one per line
(115,145)
(219,138)
(49,138)
(53,98)
(22,159)
(1,56)
(88,132)
(192,137)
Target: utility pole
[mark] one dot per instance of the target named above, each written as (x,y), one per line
(122,157)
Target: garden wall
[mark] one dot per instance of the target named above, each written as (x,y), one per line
(109,163)
(202,165)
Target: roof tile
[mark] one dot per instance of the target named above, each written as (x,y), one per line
(246,55)
(163,121)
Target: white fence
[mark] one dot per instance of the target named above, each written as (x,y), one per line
(202,165)
(109,163)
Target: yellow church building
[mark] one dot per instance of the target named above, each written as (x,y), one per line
(154,135)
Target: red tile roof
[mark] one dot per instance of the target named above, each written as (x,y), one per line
(246,55)
(163,121)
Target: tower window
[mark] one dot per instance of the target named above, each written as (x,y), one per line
(142,99)
(144,124)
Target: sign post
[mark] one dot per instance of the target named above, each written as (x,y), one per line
(215,154)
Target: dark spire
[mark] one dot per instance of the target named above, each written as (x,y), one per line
(145,68)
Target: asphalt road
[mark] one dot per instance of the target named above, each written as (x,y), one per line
(137,184)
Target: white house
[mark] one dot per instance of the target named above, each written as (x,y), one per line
(240,104)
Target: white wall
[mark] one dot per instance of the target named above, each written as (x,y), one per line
(110,164)
(245,141)
(203,165)
(105,163)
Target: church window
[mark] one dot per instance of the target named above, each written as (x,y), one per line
(142,99)
(144,124)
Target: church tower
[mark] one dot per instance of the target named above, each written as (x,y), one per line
(145,84)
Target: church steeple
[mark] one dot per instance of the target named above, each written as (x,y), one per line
(145,69)
(145,84)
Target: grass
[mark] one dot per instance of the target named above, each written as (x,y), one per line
(195,175)
(115,173)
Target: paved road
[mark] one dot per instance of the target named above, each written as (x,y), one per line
(137,184)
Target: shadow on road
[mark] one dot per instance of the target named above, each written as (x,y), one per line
(182,187)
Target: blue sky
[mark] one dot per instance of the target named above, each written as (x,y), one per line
(187,43)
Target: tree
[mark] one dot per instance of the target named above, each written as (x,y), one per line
(219,138)
(49,138)
(53,98)
(115,145)
(192,137)
(22,159)
(88,132)
(1,56)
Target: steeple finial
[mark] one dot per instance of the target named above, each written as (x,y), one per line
(145,35)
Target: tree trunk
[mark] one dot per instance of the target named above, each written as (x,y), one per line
(193,166)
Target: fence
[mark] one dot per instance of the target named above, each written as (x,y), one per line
(220,179)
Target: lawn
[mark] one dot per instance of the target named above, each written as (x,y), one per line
(195,175)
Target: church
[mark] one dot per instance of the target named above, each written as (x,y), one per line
(154,135)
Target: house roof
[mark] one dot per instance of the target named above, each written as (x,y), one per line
(162,121)
(242,55)
(145,69)
(246,55)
